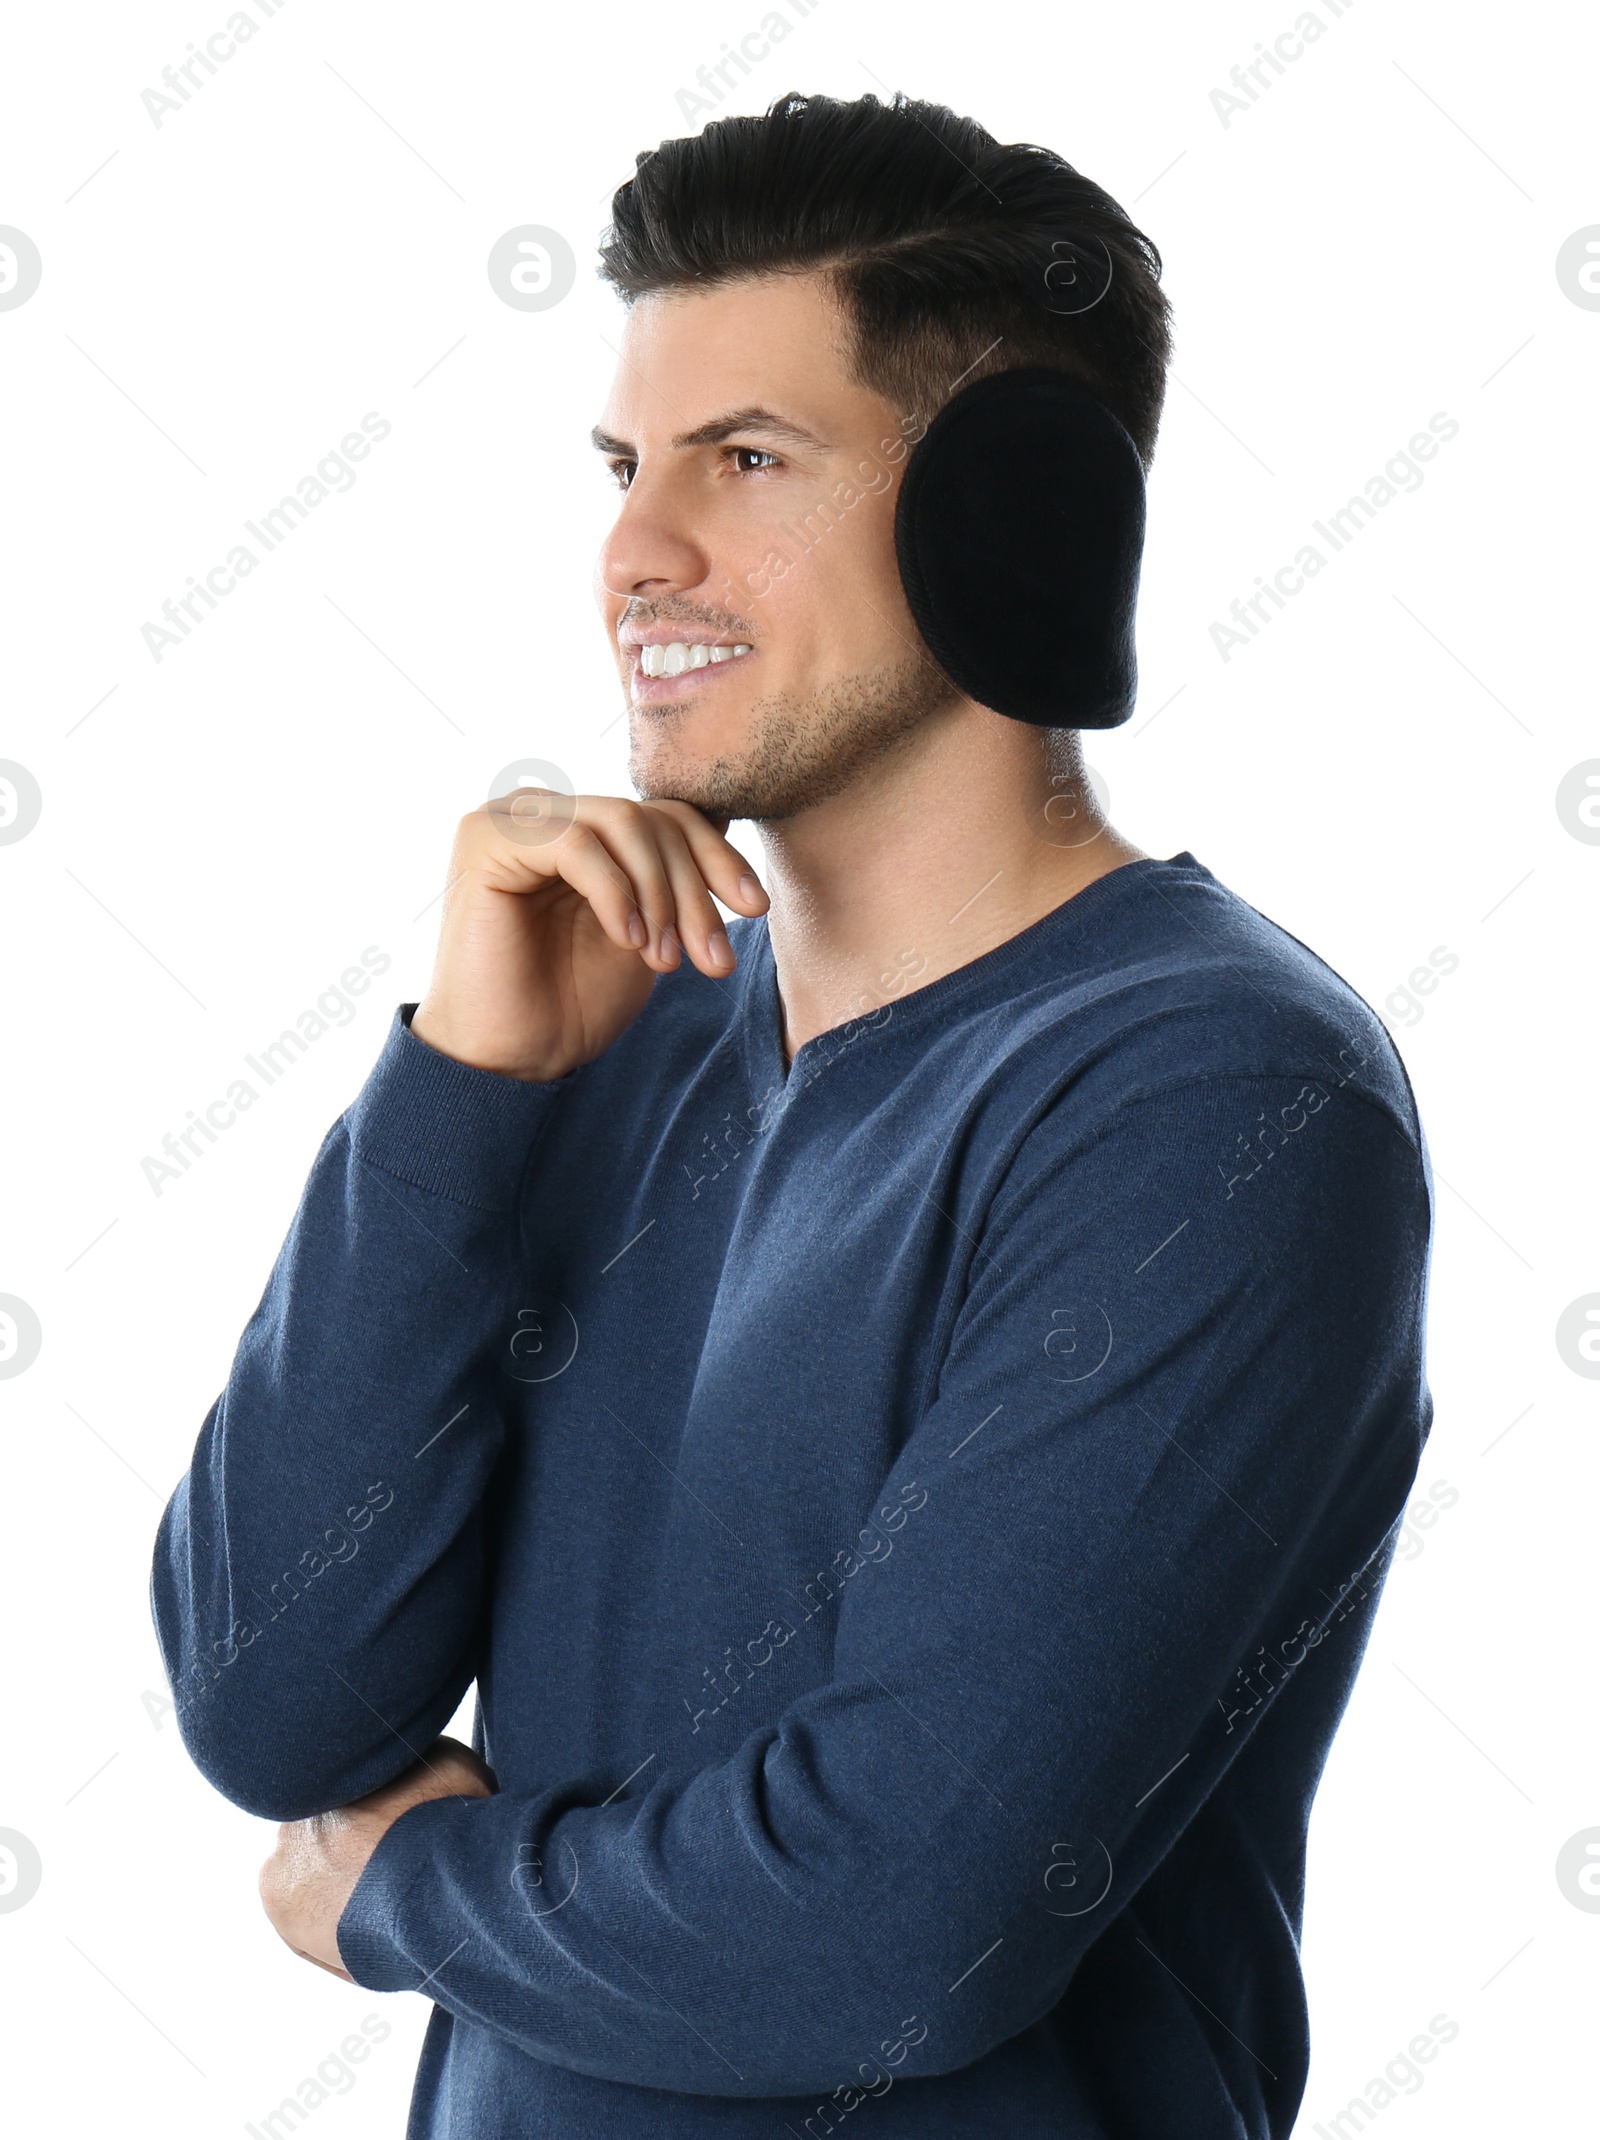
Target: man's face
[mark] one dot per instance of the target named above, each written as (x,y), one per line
(757,519)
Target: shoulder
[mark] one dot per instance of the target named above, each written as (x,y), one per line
(1163,980)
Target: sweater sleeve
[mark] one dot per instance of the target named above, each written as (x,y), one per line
(1179,1410)
(318,1577)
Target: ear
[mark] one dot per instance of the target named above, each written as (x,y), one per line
(1019,530)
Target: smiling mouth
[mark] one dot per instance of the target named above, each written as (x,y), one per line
(679,656)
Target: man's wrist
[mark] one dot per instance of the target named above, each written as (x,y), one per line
(443,1125)
(436,1032)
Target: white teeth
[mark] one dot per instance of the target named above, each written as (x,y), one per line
(676,657)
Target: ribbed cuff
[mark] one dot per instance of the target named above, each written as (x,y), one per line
(367,1934)
(448,1127)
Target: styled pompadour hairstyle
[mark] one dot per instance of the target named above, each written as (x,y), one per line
(953,256)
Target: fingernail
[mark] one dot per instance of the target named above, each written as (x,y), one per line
(638,934)
(720,948)
(748,887)
(670,946)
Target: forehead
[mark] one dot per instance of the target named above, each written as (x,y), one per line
(775,341)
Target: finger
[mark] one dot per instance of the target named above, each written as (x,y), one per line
(606,852)
(632,836)
(698,923)
(582,860)
(643,868)
(529,847)
(723,869)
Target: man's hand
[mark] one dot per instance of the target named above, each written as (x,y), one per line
(561,910)
(312,1874)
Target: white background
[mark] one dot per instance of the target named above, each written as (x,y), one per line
(223,297)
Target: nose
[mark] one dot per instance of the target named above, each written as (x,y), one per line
(649,550)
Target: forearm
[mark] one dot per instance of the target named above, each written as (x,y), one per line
(318,1577)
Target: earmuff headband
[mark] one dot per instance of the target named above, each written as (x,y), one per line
(1019,531)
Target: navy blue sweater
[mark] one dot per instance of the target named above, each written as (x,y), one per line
(913,1521)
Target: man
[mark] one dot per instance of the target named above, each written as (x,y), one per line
(902,1404)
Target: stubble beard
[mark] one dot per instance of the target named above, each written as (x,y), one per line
(802,751)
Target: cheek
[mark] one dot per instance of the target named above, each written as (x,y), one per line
(798,634)
(817,579)
(852,578)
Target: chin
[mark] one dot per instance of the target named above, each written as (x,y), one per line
(669,777)
(719,788)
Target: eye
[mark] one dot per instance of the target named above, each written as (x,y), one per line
(752,453)
(622,472)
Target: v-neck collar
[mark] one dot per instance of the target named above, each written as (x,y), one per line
(761,1009)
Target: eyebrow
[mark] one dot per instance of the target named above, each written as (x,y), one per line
(718,429)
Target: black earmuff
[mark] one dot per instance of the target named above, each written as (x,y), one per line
(1019,530)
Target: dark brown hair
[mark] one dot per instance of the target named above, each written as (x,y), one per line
(953,256)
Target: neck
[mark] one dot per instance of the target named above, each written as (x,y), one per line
(967,831)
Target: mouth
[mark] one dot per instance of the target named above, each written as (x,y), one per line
(675,668)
